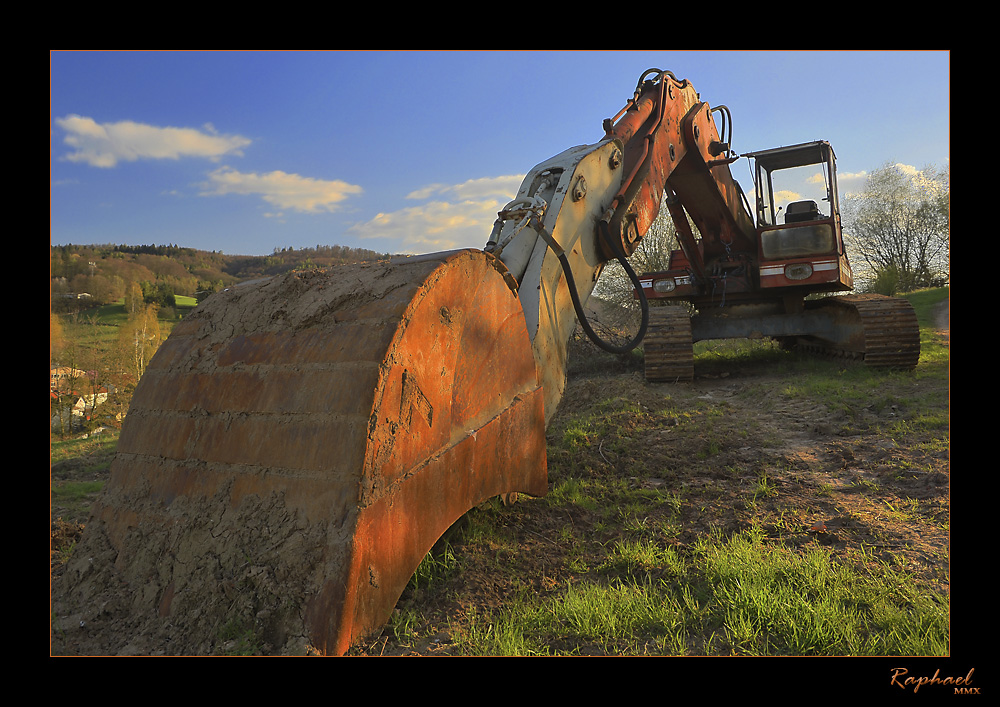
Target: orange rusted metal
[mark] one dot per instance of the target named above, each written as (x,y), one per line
(671,141)
(377,404)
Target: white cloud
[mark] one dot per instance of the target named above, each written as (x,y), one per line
(435,226)
(851,182)
(921,179)
(281,189)
(107,144)
(461,217)
(428,191)
(783,197)
(474,189)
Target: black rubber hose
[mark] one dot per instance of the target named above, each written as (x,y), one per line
(581,315)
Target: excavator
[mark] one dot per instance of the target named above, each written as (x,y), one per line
(746,280)
(305,440)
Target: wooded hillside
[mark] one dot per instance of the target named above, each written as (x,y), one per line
(91,275)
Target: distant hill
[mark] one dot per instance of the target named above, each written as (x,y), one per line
(99,274)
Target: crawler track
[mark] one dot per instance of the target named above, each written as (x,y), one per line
(669,352)
(883,332)
(878,331)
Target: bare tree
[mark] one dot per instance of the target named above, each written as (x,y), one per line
(613,311)
(652,254)
(138,340)
(81,376)
(133,298)
(899,226)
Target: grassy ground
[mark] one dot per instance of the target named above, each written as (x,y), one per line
(777,505)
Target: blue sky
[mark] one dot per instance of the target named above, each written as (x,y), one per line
(414,152)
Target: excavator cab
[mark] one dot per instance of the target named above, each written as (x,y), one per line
(781,222)
(794,249)
(800,240)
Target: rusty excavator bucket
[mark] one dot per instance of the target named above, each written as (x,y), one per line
(298,445)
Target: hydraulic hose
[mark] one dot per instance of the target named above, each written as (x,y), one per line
(578,306)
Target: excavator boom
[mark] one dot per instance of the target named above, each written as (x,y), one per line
(675,148)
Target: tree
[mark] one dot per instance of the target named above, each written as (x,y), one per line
(57,337)
(133,298)
(138,340)
(84,382)
(899,227)
(159,293)
(614,288)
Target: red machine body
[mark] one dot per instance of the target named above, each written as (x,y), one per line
(741,277)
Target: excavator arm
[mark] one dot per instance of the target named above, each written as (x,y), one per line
(673,147)
(305,440)
(592,204)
